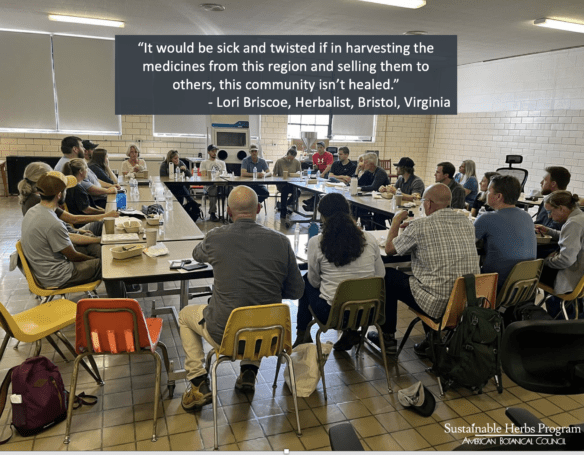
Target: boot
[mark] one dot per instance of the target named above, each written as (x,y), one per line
(301,338)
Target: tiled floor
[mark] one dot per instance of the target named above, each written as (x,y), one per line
(357,393)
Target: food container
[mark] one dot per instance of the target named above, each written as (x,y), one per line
(543,239)
(142,174)
(153,220)
(132,226)
(294,174)
(126,251)
(387,195)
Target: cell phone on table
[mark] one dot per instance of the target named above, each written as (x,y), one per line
(193,266)
(174,265)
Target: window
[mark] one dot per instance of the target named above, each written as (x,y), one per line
(348,128)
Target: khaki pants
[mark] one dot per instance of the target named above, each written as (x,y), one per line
(190,334)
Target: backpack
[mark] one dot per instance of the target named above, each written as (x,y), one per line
(527,311)
(39,399)
(470,354)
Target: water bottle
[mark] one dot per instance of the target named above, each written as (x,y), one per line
(353,187)
(296,235)
(121,201)
(255,173)
(398,198)
(317,175)
(359,223)
(176,174)
(171,170)
(312,230)
(213,174)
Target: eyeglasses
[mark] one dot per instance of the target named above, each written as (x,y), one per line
(424,200)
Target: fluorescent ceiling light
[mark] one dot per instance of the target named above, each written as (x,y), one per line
(560,25)
(401,3)
(85,20)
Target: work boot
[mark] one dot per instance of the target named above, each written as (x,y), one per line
(198,394)
(389,341)
(348,339)
(300,338)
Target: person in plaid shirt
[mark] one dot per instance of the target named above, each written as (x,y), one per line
(442,246)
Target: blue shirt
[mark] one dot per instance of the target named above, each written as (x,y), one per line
(473,185)
(508,237)
(248,164)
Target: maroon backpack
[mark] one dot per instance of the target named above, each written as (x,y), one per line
(39,399)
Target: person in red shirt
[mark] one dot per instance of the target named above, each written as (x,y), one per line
(322,160)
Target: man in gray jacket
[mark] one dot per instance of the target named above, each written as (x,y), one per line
(252,265)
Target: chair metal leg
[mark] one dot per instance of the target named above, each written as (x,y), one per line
(156,391)
(16,345)
(95,373)
(382,345)
(71,397)
(440,387)
(274,386)
(56,347)
(406,336)
(293,384)
(321,362)
(170,383)
(214,392)
(37,348)
(4,344)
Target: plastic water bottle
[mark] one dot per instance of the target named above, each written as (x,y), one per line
(121,201)
(171,170)
(359,223)
(255,173)
(398,198)
(176,174)
(296,235)
(317,175)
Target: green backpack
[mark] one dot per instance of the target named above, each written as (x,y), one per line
(470,354)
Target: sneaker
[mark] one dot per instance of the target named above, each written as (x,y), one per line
(213,217)
(197,396)
(348,339)
(389,341)
(301,338)
(421,349)
(246,381)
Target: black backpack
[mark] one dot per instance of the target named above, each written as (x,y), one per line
(527,311)
(470,354)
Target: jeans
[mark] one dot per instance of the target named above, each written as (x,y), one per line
(311,297)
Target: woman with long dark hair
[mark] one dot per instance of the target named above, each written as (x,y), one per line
(99,164)
(341,252)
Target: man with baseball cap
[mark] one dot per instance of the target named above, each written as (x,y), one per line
(247,166)
(89,148)
(407,182)
(46,243)
(209,165)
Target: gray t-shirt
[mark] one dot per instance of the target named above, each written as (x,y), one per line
(413,185)
(248,164)
(61,163)
(209,165)
(43,238)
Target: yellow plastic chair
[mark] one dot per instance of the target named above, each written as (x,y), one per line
(521,284)
(358,303)
(570,298)
(47,294)
(252,333)
(42,321)
(485,285)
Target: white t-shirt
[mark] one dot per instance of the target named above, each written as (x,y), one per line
(209,165)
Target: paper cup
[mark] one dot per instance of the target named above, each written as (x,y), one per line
(151,237)
(109,225)
(285,174)
(203,173)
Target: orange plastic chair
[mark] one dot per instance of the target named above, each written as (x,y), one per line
(486,286)
(116,326)
(47,294)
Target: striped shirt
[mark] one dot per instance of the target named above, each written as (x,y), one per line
(443,248)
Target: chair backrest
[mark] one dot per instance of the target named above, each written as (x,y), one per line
(358,303)
(545,356)
(521,284)
(110,325)
(385,164)
(7,322)
(486,286)
(518,173)
(253,332)
(33,284)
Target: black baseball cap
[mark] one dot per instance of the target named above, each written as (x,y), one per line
(88,145)
(212,147)
(406,162)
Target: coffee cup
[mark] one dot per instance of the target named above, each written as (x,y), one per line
(109,225)
(203,173)
(151,237)
(285,175)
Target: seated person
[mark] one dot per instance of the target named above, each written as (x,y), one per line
(445,174)
(341,252)
(468,179)
(374,176)
(134,163)
(78,201)
(209,165)
(252,162)
(407,182)
(46,244)
(322,160)
(343,169)
(84,239)
(252,265)
(180,192)
(507,233)
(564,268)
(555,178)
(99,164)
(481,199)
(290,164)
(442,247)
(360,166)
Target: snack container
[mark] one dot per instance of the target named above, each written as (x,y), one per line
(132,226)
(126,251)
